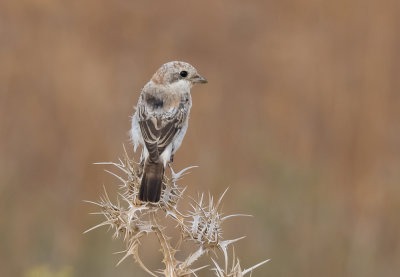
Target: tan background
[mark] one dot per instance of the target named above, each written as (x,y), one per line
(300,119)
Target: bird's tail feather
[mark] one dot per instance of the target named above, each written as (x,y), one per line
(150,187)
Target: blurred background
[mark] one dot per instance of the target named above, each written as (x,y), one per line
(300,119)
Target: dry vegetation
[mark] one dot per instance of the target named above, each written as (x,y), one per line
(303,126)
(131,219)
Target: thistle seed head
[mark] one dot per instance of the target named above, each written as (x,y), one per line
(131,219)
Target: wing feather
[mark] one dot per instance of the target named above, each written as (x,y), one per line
(159,130)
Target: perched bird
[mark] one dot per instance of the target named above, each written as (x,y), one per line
(161,120)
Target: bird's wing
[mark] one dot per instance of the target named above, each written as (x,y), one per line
(158,130)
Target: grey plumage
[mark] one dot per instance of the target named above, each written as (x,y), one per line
(161,121)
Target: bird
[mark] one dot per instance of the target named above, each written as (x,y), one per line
(160,122)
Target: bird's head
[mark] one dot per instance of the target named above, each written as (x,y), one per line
(175,73)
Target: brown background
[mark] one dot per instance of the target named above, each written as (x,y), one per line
(300,119)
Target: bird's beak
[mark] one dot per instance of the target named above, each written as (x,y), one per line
(199,79)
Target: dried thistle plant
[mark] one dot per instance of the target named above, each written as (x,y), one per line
(131,219)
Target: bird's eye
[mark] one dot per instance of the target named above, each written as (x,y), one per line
(183,73)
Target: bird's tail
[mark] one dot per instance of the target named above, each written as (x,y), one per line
(150,187)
